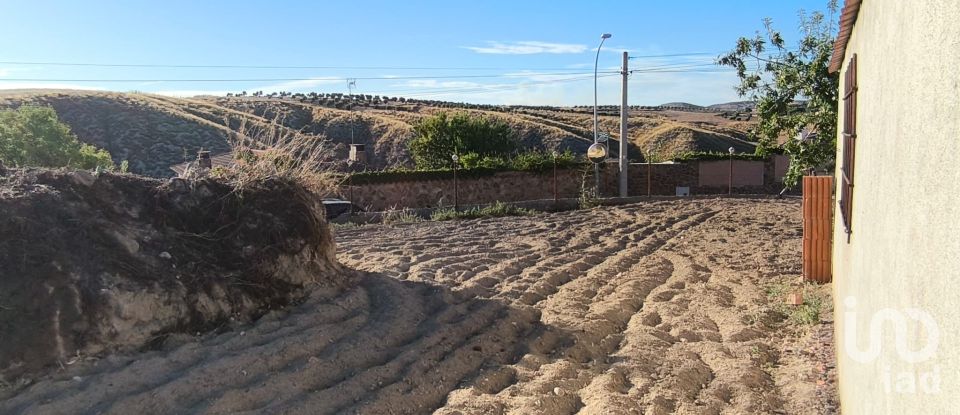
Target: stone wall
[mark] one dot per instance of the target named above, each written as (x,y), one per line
(749,177)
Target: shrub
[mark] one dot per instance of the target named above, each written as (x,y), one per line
(713,156)
(476,161)
(441,136)
(34,136)
(542,161)
(588,194)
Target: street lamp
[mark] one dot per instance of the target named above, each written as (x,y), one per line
(732,151)
(596,122)
(456,189)
(556,198)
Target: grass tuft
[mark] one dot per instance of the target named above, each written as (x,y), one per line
(395,216)
(805,314)
(498,209)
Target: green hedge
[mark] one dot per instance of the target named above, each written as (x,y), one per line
(388,176)
(476,167)
(713,156)
(391,176)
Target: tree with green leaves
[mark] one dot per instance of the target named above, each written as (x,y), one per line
(34,136)
(793,90)
(441,136)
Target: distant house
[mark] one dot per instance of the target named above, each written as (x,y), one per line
(896,255)
(227,159)
(222,159)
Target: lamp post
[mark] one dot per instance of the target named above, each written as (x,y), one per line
(456,188)
(596,122)
(555,196)
(350,185)
(731,150)
(649,175)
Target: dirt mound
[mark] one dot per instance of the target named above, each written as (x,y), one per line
(95,263)
(671,139)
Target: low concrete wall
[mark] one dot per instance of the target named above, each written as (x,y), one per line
(780,165)
(708,177)
(745,173)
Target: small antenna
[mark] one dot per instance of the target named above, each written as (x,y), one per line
(351,83)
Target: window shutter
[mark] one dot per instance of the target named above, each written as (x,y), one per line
(849,143)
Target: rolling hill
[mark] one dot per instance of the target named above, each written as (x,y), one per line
(154,132)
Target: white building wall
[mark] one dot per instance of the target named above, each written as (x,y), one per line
(903,257)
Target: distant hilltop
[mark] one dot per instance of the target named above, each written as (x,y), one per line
(155,132)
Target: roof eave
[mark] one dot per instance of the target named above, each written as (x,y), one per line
(851,8)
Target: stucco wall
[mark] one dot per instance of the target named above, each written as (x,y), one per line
(745,173)
(904,250)
(781,164)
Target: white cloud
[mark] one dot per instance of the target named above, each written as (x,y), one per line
(186,93)
(299,85)
(529,47)
(433,83)
(8,71)
(45,85)
(535,76)
(289,86)
(650,88)
(614,49)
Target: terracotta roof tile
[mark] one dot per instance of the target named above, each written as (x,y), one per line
(847,19)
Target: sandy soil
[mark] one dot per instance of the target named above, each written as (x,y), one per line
(652,308)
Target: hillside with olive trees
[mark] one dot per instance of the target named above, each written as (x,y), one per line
(154,132)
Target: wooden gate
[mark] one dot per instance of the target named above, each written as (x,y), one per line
(817,228)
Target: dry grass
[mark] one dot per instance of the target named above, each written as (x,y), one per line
(266,152)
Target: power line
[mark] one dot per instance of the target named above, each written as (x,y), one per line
(488,89)
(384,67)
(358,67)
(672,55)
(664,68)
(150,65)
(512,75)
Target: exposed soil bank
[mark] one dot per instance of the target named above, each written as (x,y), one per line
(94,263)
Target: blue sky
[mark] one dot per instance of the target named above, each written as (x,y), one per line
(510,52)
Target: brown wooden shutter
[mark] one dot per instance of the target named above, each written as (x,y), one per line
(849,143)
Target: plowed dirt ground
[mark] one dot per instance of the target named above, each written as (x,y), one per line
(653,308)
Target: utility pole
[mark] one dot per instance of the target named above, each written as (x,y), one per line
(623,128)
